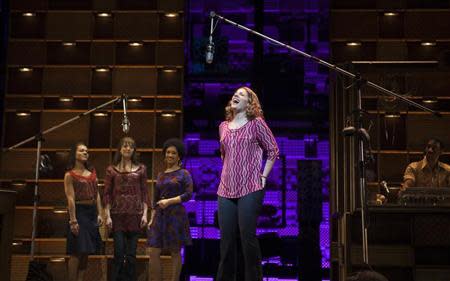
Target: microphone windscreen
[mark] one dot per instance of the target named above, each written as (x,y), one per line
(209,53)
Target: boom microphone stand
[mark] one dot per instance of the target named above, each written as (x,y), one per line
(358,83)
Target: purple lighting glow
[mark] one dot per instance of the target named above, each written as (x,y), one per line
(294,95)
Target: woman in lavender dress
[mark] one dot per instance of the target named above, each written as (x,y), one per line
(169,225)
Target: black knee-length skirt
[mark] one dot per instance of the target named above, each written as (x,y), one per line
(88,240)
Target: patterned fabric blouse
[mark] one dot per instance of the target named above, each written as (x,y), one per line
(173,184)
(242,153)
(126,192)
(85,188)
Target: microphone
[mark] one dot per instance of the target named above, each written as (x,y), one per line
(210,47)
(125,122)
(350,131)
(364,134)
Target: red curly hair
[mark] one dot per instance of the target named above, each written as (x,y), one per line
(253,108)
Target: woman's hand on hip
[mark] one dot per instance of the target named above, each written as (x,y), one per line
(263,181)
(164,203)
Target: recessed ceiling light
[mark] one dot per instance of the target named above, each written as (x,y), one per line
(102,69)
(25,69)
(168,114)
(171,15)
(428,43)
(100,114)
(135,44)
(23,113)
(391,14)
(65,99)
(104,15)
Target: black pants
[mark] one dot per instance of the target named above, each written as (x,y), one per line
(124,263)
(239,214)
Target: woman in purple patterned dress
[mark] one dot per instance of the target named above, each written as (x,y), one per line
(169,225)
(126,200)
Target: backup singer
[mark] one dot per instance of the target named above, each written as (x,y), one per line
(169,224)
(126,201)
(83,200)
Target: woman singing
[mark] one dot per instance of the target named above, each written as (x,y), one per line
(244,136)
(125,200)
(169,224)
(83,200)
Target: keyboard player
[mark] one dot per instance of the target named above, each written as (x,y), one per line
(428,172)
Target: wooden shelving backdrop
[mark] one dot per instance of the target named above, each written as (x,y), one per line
(65,57)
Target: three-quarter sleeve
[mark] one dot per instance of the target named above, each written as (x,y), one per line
(266,139)
(144,187)
(188,186)
(109,179)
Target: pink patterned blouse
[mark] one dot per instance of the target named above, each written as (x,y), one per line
(242,153)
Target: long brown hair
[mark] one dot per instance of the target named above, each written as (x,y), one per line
(253,110)
(118,155)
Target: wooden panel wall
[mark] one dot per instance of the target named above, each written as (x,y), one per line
(50,81)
